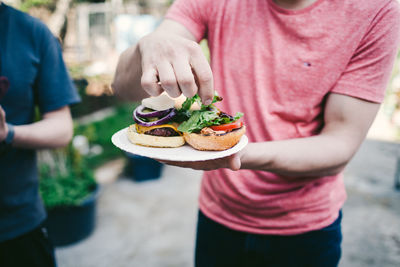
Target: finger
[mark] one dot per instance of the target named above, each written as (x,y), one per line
(185,78)
(204,77)
(188,164)
(177,164)
(169,162)
(149,81)
(235,163)
(2,115)
(168,79)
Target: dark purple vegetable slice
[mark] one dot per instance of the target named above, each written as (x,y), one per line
(152,114)
(163,120)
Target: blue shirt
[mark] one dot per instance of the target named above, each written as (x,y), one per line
(31,59)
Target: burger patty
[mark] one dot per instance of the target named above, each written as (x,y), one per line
(165,132)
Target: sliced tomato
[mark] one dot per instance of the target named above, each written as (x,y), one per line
(227,126)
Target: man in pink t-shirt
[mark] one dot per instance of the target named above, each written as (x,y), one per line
(309,76)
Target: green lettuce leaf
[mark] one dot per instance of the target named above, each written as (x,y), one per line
(201,119)
(194,121)
(198,120)
(196,98)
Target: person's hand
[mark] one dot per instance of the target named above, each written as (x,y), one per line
(176,65)
(3,125)
(232,162)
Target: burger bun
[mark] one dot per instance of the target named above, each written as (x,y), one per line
(214,142)
(152,140)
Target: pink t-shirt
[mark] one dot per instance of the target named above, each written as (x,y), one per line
(277,66)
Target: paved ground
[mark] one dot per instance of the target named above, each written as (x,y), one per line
(152,224)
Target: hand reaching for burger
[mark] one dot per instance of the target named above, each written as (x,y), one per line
(169,60)
(175,65)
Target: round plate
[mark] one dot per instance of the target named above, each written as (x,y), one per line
(183,153)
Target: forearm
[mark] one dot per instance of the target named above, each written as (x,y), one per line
(50,132)
(127,80)
(315,156)
(346,123)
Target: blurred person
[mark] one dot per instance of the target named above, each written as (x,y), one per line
(309,76)
(33,74)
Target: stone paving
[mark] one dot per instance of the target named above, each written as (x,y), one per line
(152,223)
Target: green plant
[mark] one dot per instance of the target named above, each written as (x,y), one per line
(65,179)
(28,4)
(100,133)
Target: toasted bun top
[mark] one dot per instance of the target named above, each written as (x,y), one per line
(161,102)
(214,142)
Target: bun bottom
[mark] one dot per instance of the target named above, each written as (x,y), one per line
(152,140)
(214,142)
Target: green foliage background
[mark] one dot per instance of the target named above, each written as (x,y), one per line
(59,188)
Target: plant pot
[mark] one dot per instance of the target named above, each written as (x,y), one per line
(68,225)
(142,168)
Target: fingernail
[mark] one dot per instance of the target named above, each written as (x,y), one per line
(207,102)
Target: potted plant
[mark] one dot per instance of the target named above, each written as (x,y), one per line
(142,169)
(69,193)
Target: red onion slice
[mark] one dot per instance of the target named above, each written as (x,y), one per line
(163,120)
(157,113)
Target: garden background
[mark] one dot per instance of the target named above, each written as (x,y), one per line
(151,222)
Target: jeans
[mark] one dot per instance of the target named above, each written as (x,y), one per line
(32,249)
(219,246)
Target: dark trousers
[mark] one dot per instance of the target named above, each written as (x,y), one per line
(29,250)
(218,246)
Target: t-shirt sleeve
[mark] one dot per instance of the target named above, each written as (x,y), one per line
(193,14)
(53,85)
(368,72)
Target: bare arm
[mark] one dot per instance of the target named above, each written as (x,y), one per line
(170,56)
(347,121)
(54,130)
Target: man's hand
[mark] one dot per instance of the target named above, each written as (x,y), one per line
(3,125)
(178,64)
(167,60)
(231,162)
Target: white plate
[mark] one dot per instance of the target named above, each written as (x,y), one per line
(183,153)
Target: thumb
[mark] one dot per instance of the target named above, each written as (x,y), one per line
(235,162)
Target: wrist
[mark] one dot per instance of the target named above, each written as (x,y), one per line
(256,156)
(4,133)
(9,134)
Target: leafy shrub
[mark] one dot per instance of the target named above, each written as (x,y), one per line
(65,179)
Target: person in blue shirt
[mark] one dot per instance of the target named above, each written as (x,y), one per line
(32,75)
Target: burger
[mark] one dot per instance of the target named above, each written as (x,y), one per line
(165,122)
(154,123)
(210,129)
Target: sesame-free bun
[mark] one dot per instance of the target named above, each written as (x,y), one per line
(214,142)
(152,140)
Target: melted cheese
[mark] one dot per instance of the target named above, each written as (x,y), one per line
(142,129)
